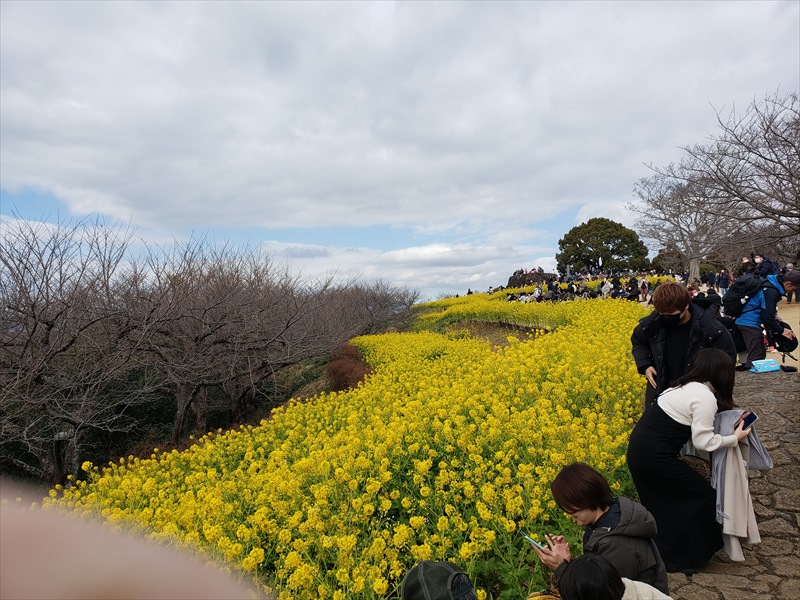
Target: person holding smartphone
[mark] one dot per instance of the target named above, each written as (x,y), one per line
(616,528)
(681,500)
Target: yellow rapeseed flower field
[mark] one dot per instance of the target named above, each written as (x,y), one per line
(445,452)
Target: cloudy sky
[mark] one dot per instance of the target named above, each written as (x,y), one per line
(438,145)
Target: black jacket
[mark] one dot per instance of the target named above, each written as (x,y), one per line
(649,343)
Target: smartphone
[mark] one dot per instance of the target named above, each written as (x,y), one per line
(532,541)
(749,419)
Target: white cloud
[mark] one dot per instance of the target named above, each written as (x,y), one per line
(469,125)
(434,269)
(613,208)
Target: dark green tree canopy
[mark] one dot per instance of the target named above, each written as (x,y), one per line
(601,244)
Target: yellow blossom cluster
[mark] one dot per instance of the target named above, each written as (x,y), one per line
(445,452)
(489,308)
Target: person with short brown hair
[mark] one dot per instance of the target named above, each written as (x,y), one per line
(579,486)
(670,297)
(664,343)
(616,528)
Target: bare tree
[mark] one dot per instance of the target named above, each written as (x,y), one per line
(195,299)
(736,194)
(373,307)
(66,344)
(753,163)
(88,332)
(674,214)
(229,320)
(750,169)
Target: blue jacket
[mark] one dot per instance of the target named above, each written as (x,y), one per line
(762,308)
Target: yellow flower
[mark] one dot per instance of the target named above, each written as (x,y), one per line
(380,585)
(468,550)
(422,552)
(443,524)
(432,439)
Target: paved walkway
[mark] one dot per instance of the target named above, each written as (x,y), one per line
(772,568)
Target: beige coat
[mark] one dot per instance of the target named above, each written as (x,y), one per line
(739,524)
(636,590)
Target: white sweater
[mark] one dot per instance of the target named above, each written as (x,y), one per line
(636,590)
(694,404)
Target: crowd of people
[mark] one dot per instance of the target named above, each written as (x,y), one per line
(628,286)
(637,285)
(751,333)
(686,351)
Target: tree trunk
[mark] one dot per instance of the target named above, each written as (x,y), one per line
(184,397)
(52,457)
(694,270)
(200,409)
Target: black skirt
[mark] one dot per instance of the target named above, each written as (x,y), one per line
(681,501)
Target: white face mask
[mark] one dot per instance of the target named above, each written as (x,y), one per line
(759,261)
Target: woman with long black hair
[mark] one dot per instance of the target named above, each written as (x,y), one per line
(681,500)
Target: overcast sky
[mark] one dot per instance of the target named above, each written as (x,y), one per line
(438,145)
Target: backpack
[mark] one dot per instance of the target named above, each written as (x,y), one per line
(739,292)
(782,344)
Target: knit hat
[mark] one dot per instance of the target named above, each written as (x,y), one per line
(792,277)
(429,580)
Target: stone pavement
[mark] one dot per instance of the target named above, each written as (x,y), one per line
(772,568)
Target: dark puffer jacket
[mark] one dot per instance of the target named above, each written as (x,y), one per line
(649,342)
(629,546)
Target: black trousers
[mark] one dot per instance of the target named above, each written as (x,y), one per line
(682,502)
(754,340)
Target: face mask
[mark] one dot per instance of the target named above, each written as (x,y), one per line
(671,320)
(759,261)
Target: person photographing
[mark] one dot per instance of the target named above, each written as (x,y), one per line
(616,528)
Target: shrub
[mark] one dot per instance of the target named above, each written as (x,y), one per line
(347,368)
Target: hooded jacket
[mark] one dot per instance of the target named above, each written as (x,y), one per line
(649,345)
(629,546)
(762,308)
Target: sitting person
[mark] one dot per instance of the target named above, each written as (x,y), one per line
(429,580)
(617,528)
(592,577)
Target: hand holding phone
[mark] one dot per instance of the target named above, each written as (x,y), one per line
(532,541)
(742,428)
(554,551)
(749,419)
